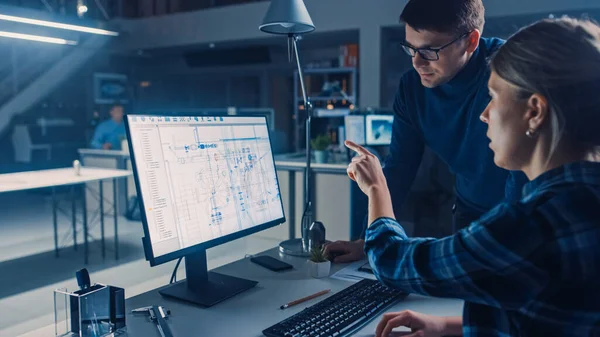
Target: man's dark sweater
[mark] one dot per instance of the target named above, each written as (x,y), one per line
(446,119)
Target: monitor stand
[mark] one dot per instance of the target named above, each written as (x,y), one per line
(203,287)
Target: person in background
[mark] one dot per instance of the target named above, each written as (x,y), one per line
(437,105)
(526,268)
(108,134)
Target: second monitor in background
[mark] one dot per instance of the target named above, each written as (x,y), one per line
(378,130)
(369,130)
(354,126)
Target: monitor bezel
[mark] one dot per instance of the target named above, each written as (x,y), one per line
(149,252)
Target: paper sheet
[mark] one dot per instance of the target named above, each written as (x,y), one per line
(352,274)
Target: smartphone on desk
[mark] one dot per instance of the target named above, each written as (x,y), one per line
(271,263)
(366,268)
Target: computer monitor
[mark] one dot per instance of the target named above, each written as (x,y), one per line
(354,126)
(202,181)
(379,129)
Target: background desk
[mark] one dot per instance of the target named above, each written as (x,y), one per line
(248,313)
(13,182)
(110,159)
(331,195)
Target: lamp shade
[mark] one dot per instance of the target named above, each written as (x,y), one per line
(287,17)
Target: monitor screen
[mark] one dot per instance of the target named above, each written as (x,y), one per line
(379,129)
(203,180)
(354,126)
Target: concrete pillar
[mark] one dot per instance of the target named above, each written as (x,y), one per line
(369,66)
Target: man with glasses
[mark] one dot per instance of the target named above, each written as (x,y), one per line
(438,105)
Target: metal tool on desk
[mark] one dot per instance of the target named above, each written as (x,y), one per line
(158,315)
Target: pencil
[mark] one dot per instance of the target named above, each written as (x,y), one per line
(304,299)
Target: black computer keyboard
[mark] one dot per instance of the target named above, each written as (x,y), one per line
(341,314)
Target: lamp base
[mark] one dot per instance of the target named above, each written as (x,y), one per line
(293,247)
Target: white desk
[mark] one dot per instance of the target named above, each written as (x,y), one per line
(20,181)
(102,152)
(248,313)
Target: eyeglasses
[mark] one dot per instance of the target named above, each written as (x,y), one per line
(429,54)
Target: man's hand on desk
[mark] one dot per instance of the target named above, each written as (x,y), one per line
(346,251)
(107,146)
(421,325)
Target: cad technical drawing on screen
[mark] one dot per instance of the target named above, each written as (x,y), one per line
(203,178)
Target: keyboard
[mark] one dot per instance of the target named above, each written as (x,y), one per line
(341,314)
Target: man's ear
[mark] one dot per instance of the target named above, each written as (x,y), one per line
(473,40)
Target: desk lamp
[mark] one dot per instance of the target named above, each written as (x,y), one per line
(290,17)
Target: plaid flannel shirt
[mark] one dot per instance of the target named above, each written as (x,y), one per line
(530,268)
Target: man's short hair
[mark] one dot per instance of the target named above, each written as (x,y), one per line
(444,16)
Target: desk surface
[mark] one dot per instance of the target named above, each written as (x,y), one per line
(248,313)
(57,177)
(297,162)
(102,152)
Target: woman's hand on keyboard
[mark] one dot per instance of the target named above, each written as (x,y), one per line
(421,325)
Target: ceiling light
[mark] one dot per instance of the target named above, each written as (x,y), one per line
(57,25)
(81,8)
(37,38)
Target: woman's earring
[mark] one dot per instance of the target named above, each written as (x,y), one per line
(530,133)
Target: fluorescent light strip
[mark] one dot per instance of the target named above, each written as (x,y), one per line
(58,25)
(37,38)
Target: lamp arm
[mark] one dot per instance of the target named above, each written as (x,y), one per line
(295,47)
(307,216)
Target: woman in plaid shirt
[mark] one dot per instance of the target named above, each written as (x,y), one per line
(530,268)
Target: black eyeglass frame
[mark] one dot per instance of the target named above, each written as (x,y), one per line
(412,51)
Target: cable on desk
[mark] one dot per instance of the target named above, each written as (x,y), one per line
(174,275)
(302,219)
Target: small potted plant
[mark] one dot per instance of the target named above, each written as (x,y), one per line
(319,265)
(319,145)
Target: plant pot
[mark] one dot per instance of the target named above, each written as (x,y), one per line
(320,157)
(319,269)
